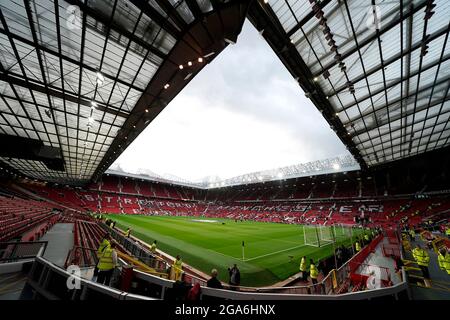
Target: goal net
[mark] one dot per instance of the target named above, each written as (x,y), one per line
(342,231)
(318,236)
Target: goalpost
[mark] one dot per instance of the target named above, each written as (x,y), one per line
(318,236)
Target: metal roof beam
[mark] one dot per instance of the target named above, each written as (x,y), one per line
(153,14)
(399,116)
(394,83)
(92,13)
(393,102)
(386,63)
(368,40)
(35,86)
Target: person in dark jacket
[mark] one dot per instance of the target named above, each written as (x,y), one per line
(235,276)
(213,282)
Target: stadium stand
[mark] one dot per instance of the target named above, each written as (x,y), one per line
(25,219)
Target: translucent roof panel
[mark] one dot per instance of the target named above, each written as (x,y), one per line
(71,76)
(385,69)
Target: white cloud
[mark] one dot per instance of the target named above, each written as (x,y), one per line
(244,112)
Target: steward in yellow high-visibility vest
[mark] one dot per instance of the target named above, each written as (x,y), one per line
(104,244)
(153,247)
(447,231)
(128,232)
(366,238)
(303,268)
(313,272)
(357,246)
(412,234)
(177,269)
(423,259)
(106,264)
(444,260)
(421,256)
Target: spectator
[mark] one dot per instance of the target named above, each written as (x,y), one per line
(213,282)
(235,276)
(194,293)
(106,264)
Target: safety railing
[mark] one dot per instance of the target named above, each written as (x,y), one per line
(364,270)
(17,251)
(137,250)
(359,258)
(49,281)
(82,257)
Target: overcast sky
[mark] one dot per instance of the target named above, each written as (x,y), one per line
(243,113)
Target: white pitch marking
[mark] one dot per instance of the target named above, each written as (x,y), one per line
(272,253)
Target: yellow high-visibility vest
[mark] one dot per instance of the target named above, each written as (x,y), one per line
(303,265)
(357,246)
(313,272)
(444,262)
(106,260)
(105,243)
(421,256)
(153,248)
(177,265)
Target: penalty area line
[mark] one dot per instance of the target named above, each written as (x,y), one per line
(272,253)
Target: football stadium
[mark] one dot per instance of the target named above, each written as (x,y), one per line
(224,150)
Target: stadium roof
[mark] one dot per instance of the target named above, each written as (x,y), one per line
(79,80)
(379,73)
(83,78)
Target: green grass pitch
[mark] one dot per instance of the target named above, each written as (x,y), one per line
(207,245)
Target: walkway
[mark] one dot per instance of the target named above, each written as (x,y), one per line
(377,259)
(440,280)
(60,241)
